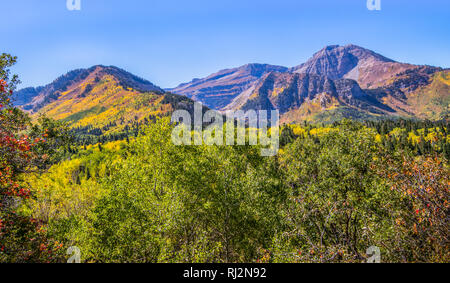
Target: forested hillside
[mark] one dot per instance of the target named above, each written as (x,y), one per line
(329,194)
(332,190)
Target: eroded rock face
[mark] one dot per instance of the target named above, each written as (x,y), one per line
(231,88)
(366,67)
(219,89)
(343,76)
(286,91)
(332,61)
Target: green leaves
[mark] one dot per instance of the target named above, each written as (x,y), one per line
(330,186)
(326,197)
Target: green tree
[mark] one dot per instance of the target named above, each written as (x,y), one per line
(20,236)
(335,203)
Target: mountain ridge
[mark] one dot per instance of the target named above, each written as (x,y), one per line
(349,78)
(102,102)
(290,91)
(34,99)
(387,84)
(220,88)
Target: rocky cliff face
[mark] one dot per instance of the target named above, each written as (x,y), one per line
(290,91)
(363,83)
(219,89)
(366,67)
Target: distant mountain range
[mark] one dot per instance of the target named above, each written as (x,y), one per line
(336,82)
(219,89)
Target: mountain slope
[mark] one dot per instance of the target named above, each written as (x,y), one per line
(301,96)
(219,89)
(35,98)
(338,81)
(101,100)
(386,88)
(366,67)
(422,92)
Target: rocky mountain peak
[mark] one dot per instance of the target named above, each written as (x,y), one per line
(219,89)
(337,62)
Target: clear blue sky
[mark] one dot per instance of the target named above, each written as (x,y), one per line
(173,41)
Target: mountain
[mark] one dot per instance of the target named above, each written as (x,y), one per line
(299,97)
(35,98)
(421,92)
(101,100)
(366,67)
(410,90)
(336,82)
(218,90)
(25,96)
(374,86)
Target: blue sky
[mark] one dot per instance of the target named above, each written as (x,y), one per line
(172,41)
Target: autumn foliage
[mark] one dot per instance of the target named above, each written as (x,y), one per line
(422,226)
(330,194)
(22,239)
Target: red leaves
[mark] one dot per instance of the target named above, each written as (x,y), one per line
(15,151)
(3,85)
(18,192)
(424,184)
(22,238)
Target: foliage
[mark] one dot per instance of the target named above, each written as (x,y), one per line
(329,194)
(422,223)
(332,197)
(21,238)
(107,178)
